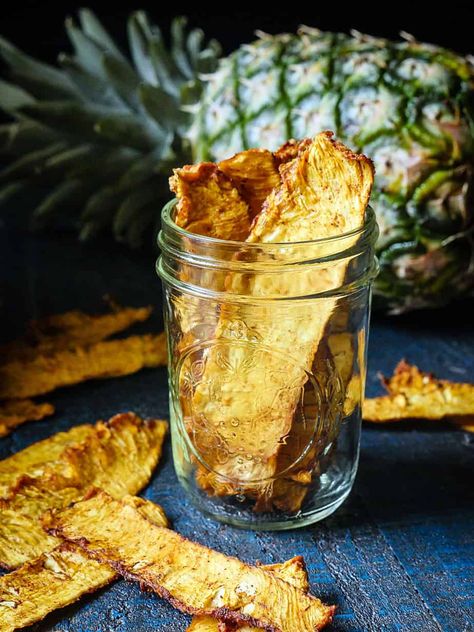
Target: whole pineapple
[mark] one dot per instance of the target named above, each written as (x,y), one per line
(105,132)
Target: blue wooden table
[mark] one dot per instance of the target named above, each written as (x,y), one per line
(397,556)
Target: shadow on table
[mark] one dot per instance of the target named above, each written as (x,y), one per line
(415,473)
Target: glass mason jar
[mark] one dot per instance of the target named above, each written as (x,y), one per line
(267,359)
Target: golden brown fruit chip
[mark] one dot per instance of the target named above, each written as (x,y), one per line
(292,571)
(255,174)
(69,330)
(111,358)
(53,580)
(15,412)
(209,203)
(290,150)
(58,578)
(414,394)
(195,579)
(324,192)
(119,456)
(38,457)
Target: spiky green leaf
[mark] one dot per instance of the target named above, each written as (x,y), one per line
(142,169)
(168,76)
(131,206)
(139,225)
(92,88)
(30,164)
(178,46)
(11,189)
(95,30)
(102,204)
(163,109)
(12,97)
(123,80)
(140,35)
(22,65)
(68,195)
(88,52)
(93,123)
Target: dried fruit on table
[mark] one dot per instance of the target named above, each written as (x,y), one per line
(292,571)
(111,358)
(36,459)
(415,394)
(14,412)
(58,578)
(119,456)
(324,192)
(194,578)
(69,330)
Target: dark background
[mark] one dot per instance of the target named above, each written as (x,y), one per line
(38,26)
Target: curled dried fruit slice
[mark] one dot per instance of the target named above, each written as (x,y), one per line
(194,578)
(15,412)
(119,455)
(111,358)
(292,571)
(414,394)
(209,203)
(255,174)
(39,457)
(69,330)
(58,578)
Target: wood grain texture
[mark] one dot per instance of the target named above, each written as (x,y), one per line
(397,556)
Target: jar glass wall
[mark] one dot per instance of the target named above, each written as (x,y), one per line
(267,359)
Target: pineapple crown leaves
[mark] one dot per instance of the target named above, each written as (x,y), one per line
(67,120)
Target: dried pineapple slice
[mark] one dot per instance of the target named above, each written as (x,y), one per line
(414,394)
(15,412)
(108,358)
(293,571)
(71,329)
(196,579)
(255,174)
(58,578)
(209,203)
(119,455)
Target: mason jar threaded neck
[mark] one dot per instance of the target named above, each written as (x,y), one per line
(209,267)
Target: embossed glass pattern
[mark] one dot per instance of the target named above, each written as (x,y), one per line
(267,357)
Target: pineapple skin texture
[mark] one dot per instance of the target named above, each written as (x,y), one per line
(408,106)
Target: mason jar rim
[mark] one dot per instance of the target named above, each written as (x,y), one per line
(368,227)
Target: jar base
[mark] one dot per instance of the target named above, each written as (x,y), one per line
(299,520)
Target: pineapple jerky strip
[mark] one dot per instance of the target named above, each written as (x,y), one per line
(119,456)
(292,571)
(69,330)
(414,394)
(58,578)
(334,359)
(111,358)
(254,172)
(209,203)
(324,193)
(194,578)
(38,457)
(15,412)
